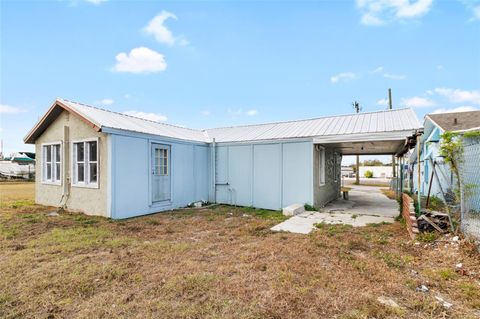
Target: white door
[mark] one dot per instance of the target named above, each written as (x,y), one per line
(160,173)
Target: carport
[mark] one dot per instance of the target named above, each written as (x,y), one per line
(370,134)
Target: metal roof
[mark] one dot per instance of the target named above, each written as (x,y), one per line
(397,120)
(388,121)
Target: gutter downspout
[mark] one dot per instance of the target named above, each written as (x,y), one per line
(214,182)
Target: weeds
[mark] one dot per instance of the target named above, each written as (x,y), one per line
(427,237)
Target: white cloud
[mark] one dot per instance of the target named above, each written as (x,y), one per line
(378,12)
(476,13)
(96,2)
(382,102)
(342,77)
(205,112)
(148,116)
(459,96)
(238,112)
(417,101)
(105,102)
(440,67)
(140,60)
(394,76)
(8,109)
(456,109)
(377,70)
(162,34)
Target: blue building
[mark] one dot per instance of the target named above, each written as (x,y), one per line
(436,177)
(114,165)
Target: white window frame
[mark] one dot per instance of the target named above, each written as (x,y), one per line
(53,177)
(321,166)
(86,161)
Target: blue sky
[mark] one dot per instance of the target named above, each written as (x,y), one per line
(208,64)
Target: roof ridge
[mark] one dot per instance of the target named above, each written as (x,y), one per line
(308,119)
(136,117)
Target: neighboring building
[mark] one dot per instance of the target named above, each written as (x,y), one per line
(442,180)
(347,171)
(18,165)
(378,171)
(114,165)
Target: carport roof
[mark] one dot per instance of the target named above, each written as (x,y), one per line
(365,124)
(383,125)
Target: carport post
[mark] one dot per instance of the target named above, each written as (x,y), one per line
(419,198)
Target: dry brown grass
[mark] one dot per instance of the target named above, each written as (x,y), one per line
(218,263)
(11,191)
(389,193)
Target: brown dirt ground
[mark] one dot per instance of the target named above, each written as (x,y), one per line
(221,262)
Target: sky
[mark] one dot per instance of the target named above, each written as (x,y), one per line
(204,64)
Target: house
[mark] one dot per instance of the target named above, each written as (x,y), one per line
(378,171)
(436,177)
(114,165)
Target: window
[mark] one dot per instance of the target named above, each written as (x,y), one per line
(52,163)
(161,161)
(321,166)
(85,163)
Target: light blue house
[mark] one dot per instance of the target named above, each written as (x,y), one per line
(114,165)
(436,177)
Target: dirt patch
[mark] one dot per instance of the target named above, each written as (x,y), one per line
(223,262)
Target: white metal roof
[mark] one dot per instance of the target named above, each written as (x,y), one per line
(362,124)
(397,120)
(108,119)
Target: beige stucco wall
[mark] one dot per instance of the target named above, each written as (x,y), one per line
(331,190)
(91,201)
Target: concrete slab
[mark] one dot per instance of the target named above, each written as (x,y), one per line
(365,200)
(367,205)
(305,223)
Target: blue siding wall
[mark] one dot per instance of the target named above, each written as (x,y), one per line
(131,185)
(268,176)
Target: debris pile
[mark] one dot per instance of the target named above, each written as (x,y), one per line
(433,221)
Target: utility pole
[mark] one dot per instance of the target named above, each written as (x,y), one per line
(357,108)
(390,106)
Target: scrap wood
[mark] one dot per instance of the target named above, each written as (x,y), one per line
(434,225)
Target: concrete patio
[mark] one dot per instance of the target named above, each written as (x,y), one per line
(366,205)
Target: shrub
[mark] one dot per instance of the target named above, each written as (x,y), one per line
(368,174)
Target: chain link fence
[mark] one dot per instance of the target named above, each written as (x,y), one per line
(470,193)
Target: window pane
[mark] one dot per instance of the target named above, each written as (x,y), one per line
(49,172)
(93,172)
(80,173)
(57,152)
(57,171)
(80,151)
(49,153)
(92,151)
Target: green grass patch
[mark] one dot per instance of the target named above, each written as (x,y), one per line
(332,230)
(427,237)
(265,213)
(18,203)
(81,238)
(8,232)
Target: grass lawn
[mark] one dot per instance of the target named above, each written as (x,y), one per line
(220,262)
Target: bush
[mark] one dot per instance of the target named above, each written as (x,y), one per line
(368,174)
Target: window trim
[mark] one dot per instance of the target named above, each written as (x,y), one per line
(86,183)
(43,179)
(321,166)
